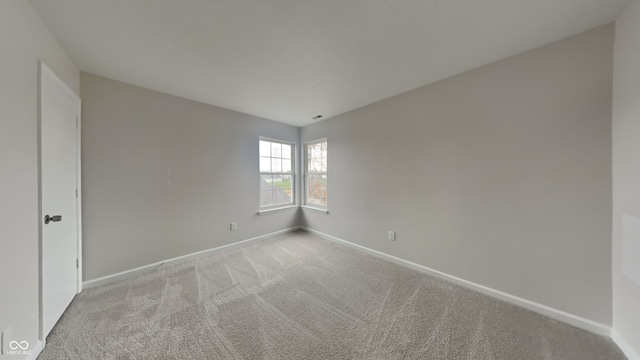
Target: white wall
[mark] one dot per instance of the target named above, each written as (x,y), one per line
(23,39)
(626,177)
(165,176)
(500,175)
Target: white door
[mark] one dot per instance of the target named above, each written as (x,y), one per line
(59,111)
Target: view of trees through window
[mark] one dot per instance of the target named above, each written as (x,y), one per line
(316,173)
(276,173)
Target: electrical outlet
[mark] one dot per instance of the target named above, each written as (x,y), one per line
(392,235)
(234,226)
(5,338)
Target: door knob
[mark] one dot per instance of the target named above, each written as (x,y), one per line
(54,218)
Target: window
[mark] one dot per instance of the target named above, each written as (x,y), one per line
(276,173)
(315,173)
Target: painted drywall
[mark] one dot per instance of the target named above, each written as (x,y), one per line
(164,176)
(24,39)
(500,175)
(626,177)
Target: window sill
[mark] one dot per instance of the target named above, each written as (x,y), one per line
(326,211)
(269,211)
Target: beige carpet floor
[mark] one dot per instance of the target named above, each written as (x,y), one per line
(302,297)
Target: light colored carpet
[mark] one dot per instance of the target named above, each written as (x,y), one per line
(302,297)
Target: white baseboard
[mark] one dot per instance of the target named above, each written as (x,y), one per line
(109,279)
(624,346)
(560,315)
(35,351)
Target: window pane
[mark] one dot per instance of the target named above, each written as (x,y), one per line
(266,198)
(277,196)
(265,164)
(286,151)
(286,165)
(276,150)
(318,150)
(277,181)
(317,190)
(276,158)
(287,187)
(276,165)
(310,161)
(313,151)
(265,182)
(316,174)
(315,165)
(265,148)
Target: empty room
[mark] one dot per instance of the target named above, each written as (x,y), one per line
(280,179)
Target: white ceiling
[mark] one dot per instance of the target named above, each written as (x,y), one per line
(289,60)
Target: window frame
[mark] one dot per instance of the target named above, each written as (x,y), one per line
(294,187)
(305,175)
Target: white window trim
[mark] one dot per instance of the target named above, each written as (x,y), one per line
(304,175)
(278,209)
(315,208)
(263,210)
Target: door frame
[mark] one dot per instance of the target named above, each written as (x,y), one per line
(44,70)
